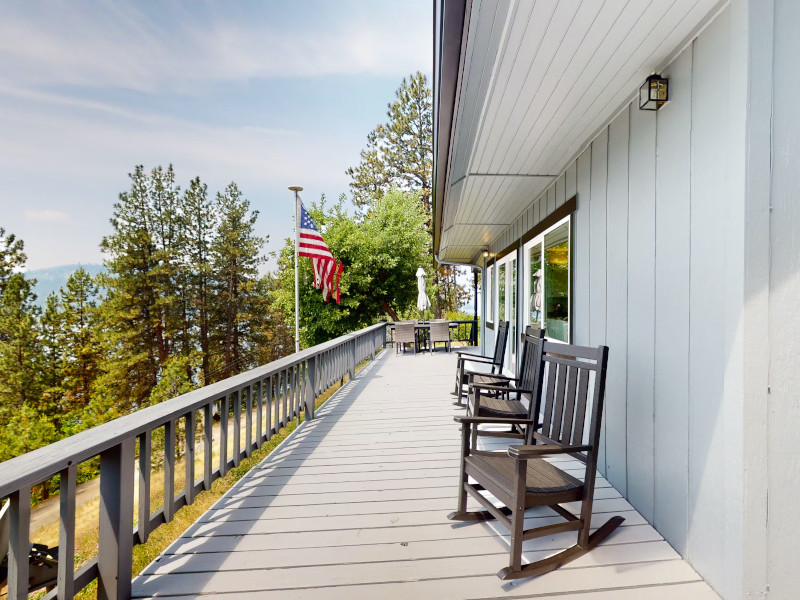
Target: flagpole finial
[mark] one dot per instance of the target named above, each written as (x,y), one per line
(296,188)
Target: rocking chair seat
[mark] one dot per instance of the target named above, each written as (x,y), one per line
(543,481)
(498,407)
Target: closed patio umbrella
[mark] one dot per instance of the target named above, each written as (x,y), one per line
(423,303)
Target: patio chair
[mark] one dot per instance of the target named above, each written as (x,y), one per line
(470,364)
(521,478)
(440,333)
(405,333)
(502,396)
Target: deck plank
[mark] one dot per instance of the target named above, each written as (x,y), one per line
(354,505)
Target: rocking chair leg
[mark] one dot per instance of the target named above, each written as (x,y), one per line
(518,515)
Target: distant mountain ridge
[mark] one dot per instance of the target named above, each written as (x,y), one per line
(51,279)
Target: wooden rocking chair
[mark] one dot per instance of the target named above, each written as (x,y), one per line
(468,363)
(521,478)
(507,397)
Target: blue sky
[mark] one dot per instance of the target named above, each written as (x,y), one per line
(268,94)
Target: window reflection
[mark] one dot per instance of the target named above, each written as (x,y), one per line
(556,283)
(536,288)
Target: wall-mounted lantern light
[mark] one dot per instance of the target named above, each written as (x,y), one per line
(654,93)
(485,254)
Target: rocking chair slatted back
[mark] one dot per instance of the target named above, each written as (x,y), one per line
(567,371)
(529,362)
(500,346)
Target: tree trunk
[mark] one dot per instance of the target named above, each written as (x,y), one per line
(389,311)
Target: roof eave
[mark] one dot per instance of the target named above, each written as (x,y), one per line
(448,59)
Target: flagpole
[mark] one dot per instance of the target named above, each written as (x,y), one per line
(296,189)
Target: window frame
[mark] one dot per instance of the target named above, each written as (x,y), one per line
(490,312)
(539,239)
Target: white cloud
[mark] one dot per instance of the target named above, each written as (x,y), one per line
(120,46)
(47,215)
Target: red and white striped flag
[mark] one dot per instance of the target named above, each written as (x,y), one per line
(327,270)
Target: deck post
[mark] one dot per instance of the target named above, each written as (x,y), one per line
(19,513)
(114,557)
(66,537)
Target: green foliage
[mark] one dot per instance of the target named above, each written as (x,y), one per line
(20,352)
(183,305)
(381,252)
(26,429)
(400,153)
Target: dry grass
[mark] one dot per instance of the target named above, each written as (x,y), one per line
(86,518)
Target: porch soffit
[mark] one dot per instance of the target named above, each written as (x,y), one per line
(538,81)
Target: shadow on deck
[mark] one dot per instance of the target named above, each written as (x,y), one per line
(353,505)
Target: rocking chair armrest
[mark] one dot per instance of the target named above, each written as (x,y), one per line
(499,388)
(526,452)
(499,380)
(492,420)
(466,356)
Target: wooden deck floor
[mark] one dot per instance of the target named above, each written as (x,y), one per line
(354,506)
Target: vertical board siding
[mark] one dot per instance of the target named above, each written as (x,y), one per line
(581,245)
(641,300)
(658,278)
(597,260)
(784,316)
(617,302)
(671,376)
(707,285)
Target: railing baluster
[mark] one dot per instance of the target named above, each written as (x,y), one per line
(188,484)
(237,427)
(285,399)
(208,438)
(223,436)
(145,453)
(114,558)
(169,470)
(19,513)
(311,396)
(296,393)
(260,411)
(66,533)
(248,421)
(269,404)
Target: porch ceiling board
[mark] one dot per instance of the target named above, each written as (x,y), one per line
(539,80)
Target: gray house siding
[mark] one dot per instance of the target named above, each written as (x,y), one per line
(658,269)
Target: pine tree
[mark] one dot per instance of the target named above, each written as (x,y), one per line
(52,355)
(200,225)
(235,257)
(135,345)
(80,343)
(399,152)
(12,256)
(20,352)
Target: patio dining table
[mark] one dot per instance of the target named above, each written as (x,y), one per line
(421,336)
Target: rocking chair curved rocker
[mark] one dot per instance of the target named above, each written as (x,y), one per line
(521,478)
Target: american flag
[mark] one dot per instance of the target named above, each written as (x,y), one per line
(327,270)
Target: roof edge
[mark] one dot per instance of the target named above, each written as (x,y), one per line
(449,51)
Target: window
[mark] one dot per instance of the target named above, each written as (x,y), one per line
(501,291)
(548,265)
(489,294)
(507,305)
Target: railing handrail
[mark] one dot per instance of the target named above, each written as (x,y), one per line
(38,465)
